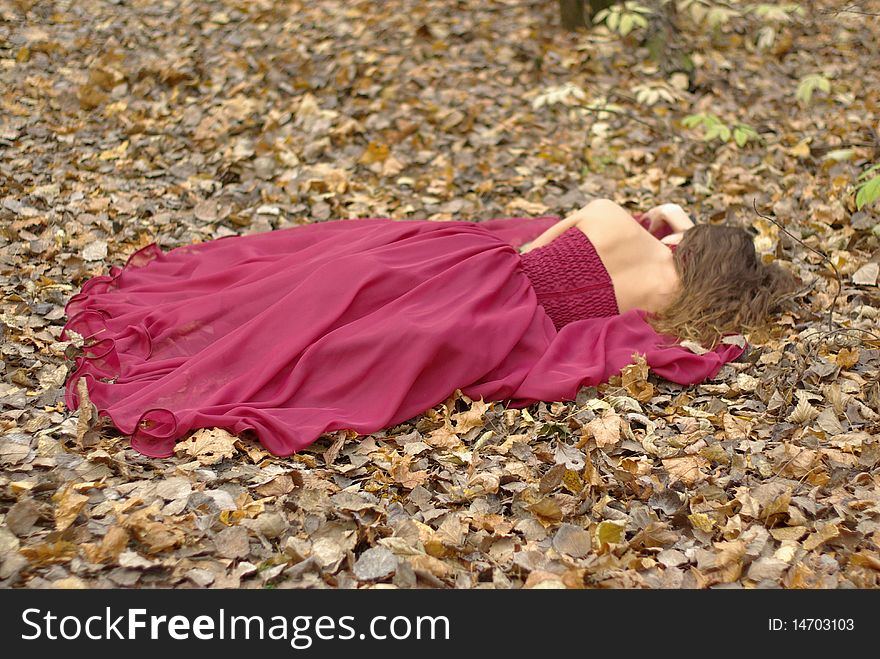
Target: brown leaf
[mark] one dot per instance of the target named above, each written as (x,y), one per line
(375,152)
(793,461)
(233,542)
(332,453)
(49,553)
(443,437)
(822,534)
(547,508)
(208,445)
(473,418)
(83,423)
(572,541)
(279,485)
(605,429)
(70,504)
(112,545)
(21,516)
(736,427)
(847,357)
(687,469)
(400,472)
(634,378)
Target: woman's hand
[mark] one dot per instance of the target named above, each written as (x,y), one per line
(672,238)
(671,215)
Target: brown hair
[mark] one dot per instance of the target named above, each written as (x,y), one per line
(725,287)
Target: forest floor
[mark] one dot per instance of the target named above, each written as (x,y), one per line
(125,123)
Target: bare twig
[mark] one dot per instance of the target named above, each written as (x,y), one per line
(824,258)
(843,330)
(628,115)
(850,10)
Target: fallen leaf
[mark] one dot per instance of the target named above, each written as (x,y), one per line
(70,504)
(208,445)
(605,429)
(609,532)
(687,469)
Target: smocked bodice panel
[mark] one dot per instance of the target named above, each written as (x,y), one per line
(570,280)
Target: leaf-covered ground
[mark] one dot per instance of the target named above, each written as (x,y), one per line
(135,121)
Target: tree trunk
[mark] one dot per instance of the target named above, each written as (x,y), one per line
(572,14)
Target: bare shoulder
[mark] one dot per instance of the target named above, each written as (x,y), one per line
(640,266)
(604,220)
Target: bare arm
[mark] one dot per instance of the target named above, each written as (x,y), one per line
(553,232)
(672,215)
(597,207)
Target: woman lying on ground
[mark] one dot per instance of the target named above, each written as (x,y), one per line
(699,282)
(363,324)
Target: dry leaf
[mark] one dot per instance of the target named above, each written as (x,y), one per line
(208,445)
(866,275)
(822,534)
(803,412)
(473,418)
(687,469)
(634,378)
(609,532)
(70,504)
(605,429)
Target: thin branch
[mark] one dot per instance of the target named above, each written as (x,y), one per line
(650,125)
(849,10)
(824,258)
(840,330)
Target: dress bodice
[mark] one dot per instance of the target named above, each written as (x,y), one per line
(570,280)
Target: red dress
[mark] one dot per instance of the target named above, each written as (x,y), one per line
(351,324)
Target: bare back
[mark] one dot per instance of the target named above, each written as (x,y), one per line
(640,266)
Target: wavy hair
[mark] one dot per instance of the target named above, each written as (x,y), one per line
(726,288)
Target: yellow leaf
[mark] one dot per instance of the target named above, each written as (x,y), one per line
(572,481)
(69,506)
(375,152)
(115,153)
(231,517)
(608,533)
(115,108)
(702,521)
(801,149)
